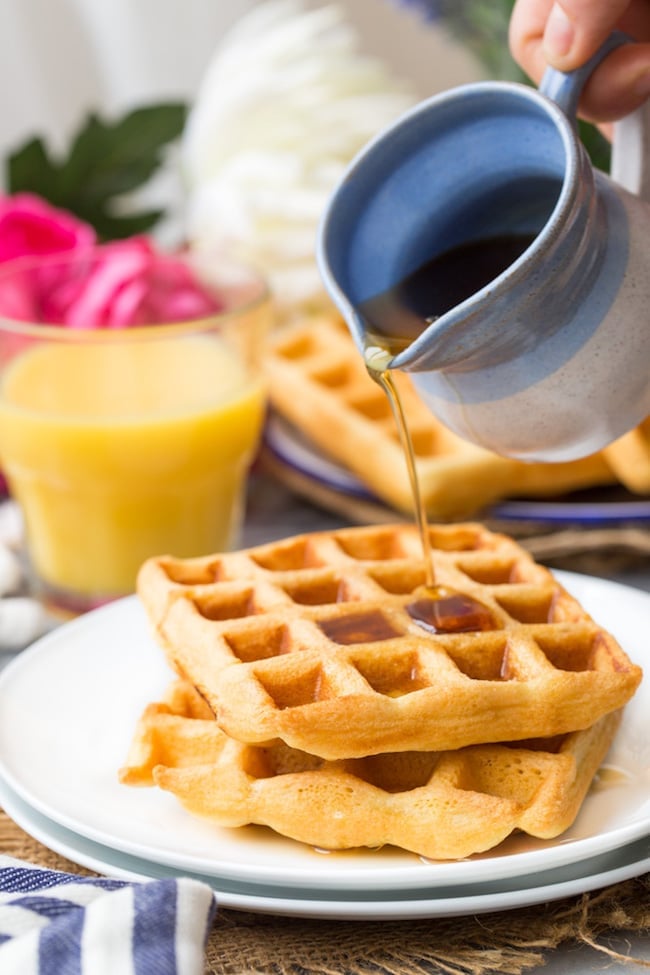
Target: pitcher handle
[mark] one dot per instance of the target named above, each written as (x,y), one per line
(565,88)
(630,166)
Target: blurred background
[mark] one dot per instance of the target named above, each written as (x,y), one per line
(64,58)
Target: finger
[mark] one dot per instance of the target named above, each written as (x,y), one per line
(575,29)
(619,86)
(527,24)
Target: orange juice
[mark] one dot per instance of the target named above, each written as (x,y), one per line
(123,449)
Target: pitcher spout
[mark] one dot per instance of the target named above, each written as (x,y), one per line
(433,256)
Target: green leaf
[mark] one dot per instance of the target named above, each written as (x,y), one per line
(31,170)
(107,160)
(599,149)
(126,225)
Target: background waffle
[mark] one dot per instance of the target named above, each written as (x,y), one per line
(310,640)
(318,381)
(438,805)
(629,458)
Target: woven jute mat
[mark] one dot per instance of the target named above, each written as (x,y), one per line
(511,942)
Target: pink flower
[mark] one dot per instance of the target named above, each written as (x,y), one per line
(127,283)
(29,225)
(122,283)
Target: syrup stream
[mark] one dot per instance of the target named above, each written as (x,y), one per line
(377,360)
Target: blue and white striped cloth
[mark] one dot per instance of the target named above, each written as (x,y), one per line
(54,923)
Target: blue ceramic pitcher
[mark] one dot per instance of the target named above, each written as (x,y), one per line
(549,360)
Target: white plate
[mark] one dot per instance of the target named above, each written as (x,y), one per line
(69,704)
(591,874)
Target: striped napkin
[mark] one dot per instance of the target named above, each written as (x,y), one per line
(54,923)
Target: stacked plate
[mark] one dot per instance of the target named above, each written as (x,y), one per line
(68,707)
(591,507)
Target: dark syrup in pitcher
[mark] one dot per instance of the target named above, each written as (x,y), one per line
(403,311)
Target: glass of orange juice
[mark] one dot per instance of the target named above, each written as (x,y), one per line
(120,443)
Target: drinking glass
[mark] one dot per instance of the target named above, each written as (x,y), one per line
(123,443)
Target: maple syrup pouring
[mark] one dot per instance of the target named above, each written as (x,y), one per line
(436,608)
(397,316)
(377,360)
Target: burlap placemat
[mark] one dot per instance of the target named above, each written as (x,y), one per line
(511,942)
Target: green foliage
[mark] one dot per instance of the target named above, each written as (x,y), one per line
(106,162)
(596,145)
(482,26)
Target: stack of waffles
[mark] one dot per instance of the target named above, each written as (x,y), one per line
(327,690)
(318,383)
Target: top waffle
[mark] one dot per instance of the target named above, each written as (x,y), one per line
(318,381)
(316,640)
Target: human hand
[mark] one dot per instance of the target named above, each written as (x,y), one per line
(564,34)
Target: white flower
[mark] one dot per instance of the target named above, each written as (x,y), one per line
(286,103)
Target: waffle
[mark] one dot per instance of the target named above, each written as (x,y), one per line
(318,382)
(438,805)
(315,640)
(629,458)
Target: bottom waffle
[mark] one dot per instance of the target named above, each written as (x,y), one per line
(439,805)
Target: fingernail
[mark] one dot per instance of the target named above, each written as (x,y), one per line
(559,33)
